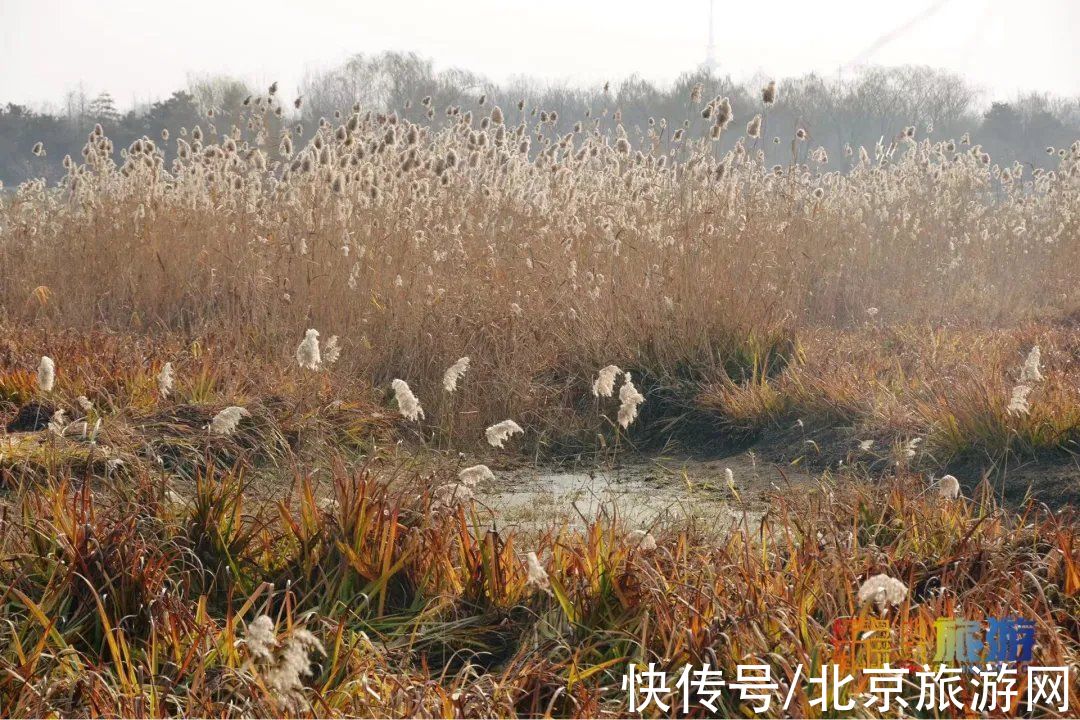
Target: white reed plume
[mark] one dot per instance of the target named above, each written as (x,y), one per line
(165,380)
(538,576)
(282,665)
(307,353)
(84,403)
(722,113)
(454,373)
(225,422)
(58,423)
(911,448)
(641,539)
(451,495)
(882,590)
(331,351)
(629,398)
(768,93)
(948,487)
(1018,402)
(753,128)
(46,374)
(474,475)
(260,640)
(407,403)
(604,384)
(1031,372)
(498,433)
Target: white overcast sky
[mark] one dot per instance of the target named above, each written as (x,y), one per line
(142,50)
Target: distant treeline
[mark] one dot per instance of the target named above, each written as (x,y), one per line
(876,104)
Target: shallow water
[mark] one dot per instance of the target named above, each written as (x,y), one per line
(644,493)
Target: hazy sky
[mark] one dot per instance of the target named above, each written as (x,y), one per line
(142,50)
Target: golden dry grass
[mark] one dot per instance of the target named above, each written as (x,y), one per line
(135,603)
(419,245)
(810,308)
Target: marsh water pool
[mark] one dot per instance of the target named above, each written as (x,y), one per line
(641,492)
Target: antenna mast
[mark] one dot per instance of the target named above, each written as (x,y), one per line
(710,50)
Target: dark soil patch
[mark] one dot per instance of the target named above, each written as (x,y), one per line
(1051,479)
(31,417)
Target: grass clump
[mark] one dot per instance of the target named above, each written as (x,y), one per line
(138,604)
(918,397)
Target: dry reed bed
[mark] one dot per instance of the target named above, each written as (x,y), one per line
(136,603)
(540,256)
(865,395)
(110,383)
(918,397)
